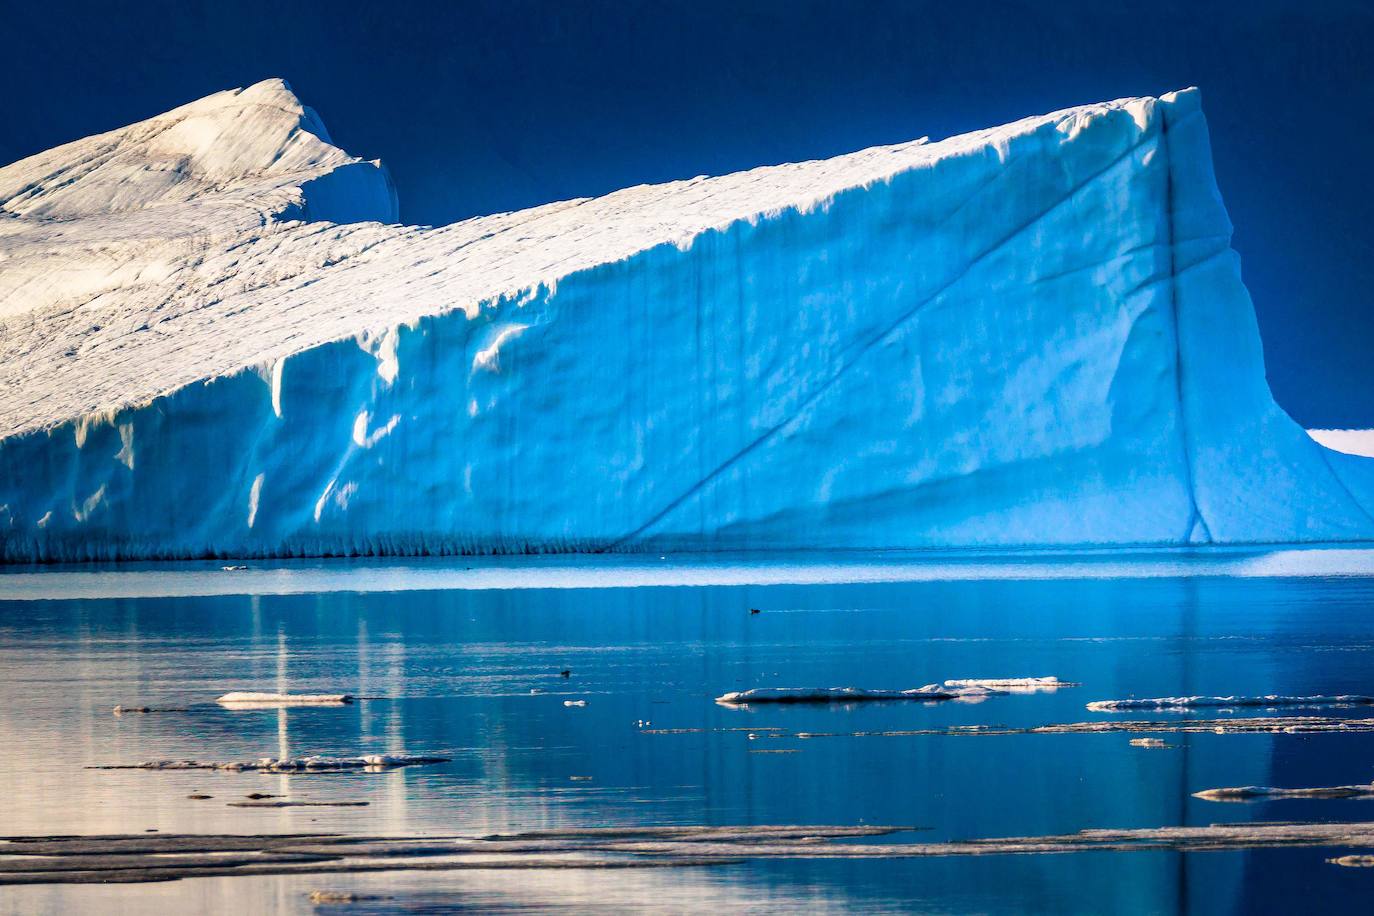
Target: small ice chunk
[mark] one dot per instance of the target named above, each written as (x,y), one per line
(1148,742)
(251,700)
(311,764)
(1353,861)
(1249,793)
(574,702)
(844,694)
(1012,684)
(1222,702)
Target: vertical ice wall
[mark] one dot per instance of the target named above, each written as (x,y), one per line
(1037,339)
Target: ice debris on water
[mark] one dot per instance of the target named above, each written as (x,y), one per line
(1353,861)
(1251,793)
(956,689)
(1148,742)
(930,692)
(1012,683)
(314,763)
(574,702)
(299,804)
(251,700)
(1224,702)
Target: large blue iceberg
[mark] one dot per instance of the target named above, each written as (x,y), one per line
(214,341)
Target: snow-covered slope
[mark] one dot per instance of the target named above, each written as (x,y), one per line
(212,344)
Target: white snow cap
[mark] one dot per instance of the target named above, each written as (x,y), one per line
(240,140)
(205,259)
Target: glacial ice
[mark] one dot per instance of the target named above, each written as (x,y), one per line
(1347,441)
(214,341)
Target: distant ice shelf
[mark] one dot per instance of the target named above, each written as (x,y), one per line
(215,341)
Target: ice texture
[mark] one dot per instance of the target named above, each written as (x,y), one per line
(1347,441)
(243,699)
(1271,700)
(1251,793)
(214,342)
(312,763)
(848,694)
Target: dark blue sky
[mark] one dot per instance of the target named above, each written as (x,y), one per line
(484,106)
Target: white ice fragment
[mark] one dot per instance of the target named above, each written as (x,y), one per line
(1251,793)
(1017,684)
(253,700)
(842,694)
(313,763)
(1353,861)
(574,702)
(1222,702)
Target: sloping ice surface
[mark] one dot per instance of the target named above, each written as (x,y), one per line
(214,340)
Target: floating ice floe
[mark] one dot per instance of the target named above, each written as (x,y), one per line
(929,692)
(1012,683)
(286,765)
(968,689)
(150,857)
(1223,702)
(574,702)
(1148,742)
(1257,725)
(251,700)
(1353,861)
(299,804)
(1250,793)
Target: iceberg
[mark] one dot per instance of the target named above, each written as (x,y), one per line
(216,341)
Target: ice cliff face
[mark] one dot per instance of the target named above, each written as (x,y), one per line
(211,343)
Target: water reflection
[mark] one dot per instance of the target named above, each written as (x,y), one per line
(474,675)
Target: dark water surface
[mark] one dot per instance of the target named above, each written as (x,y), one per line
(473,674)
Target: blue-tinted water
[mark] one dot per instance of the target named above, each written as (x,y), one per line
(473,673)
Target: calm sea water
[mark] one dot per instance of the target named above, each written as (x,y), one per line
(469,662)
